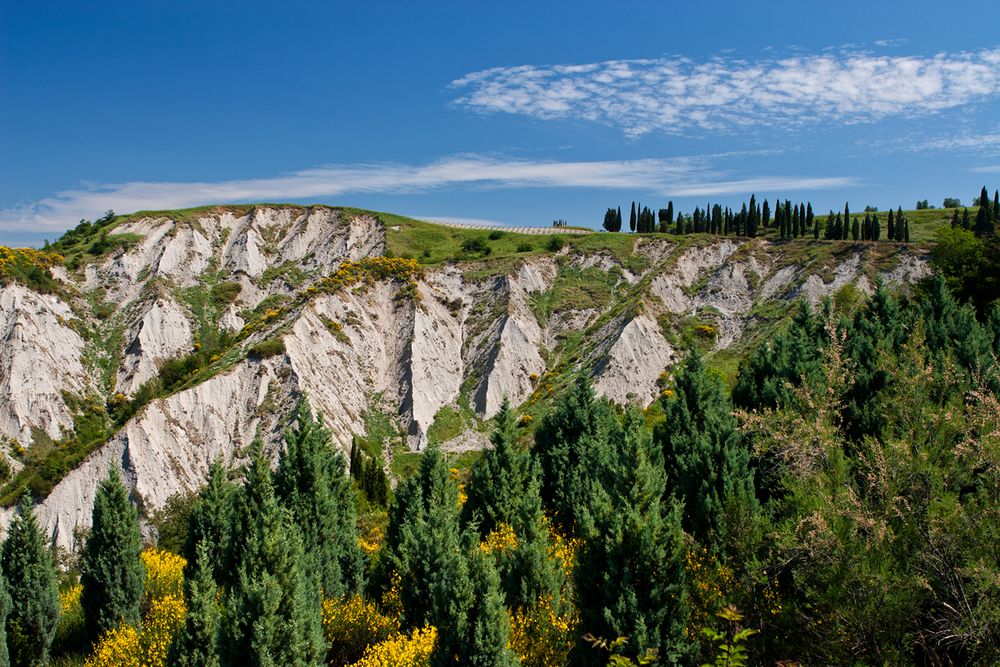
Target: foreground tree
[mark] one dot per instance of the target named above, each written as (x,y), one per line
(5,604)
(197,643)
(312,483)
(630,575)
(706,459)
(209,525)
(273,607)
(111,571)
(33,593)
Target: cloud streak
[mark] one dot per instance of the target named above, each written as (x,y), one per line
(677,95)
(686,176)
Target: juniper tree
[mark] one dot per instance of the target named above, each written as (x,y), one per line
(445,585)
(273,607)
(210,524)
(197,642)
(571,444)
(707,460)
(312,483)
(629,575)
(31,584)
(5,605)
(111,571)
(505,488)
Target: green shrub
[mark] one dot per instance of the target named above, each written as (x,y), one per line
(496,235)
(555,244)
(267,348)
(225,293)
(524,247)
(476,246)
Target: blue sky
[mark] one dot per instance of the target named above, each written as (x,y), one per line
(515,112)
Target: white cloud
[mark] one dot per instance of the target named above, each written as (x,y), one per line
(678,176)
(677,95)
(990,169)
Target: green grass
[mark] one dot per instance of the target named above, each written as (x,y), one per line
(448,423)
(577,289)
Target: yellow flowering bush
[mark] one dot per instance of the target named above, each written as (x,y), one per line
(69,599)
(708,583)
(146,646)
(503,538)
(541,637)
(352,625)
(118,648)
(371,270)
(401,650)
(164,573)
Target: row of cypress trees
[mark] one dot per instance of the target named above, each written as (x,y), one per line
(789,220)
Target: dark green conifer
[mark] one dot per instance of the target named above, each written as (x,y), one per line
(312,483)
(31,584)
(5,605)
(210,524)
(111,571)
(273,612)
(630,573)
(706,458)
(631,218)
(197,642)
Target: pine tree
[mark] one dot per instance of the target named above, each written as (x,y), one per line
(210,523)
(706,459)
(197,643)
(312,483)
(111,572)
(5,606)
(629,577)
(273,607)
(31,584)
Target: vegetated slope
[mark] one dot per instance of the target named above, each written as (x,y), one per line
(172,339)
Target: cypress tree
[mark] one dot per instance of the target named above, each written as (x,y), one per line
(984,223)
(5,605)
(630,575)
(618,220)
(111,572)
(670,212)
(955,221)
(876,227)
(766,214)
(706,458)
(855,231)
(996,205)
(608,224)
(197,642)
(273,608)
(965,218)
(815,228)
(31,584)
(631,218)
(795,222)
(312,483)
(906,231)
(811,219)
(890,225)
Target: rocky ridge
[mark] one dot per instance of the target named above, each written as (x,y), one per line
(460,336)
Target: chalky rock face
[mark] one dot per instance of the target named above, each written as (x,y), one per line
(462,335)
(40,363)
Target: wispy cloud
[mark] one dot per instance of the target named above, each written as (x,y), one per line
(678,95)
(989,169)
(676,176)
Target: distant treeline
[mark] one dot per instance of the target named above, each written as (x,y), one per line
(790,220)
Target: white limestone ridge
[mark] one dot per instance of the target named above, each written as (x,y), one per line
(467,336)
